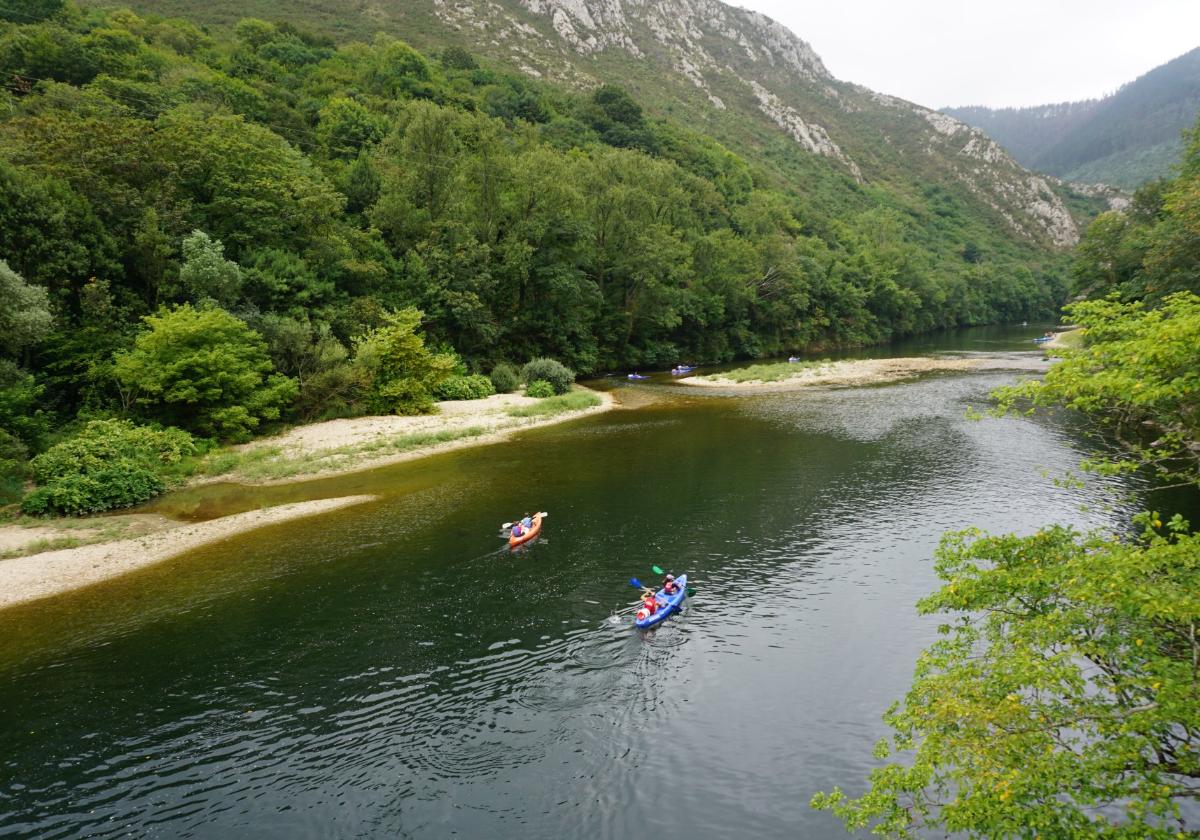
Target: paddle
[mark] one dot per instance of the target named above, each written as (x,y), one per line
(508,525)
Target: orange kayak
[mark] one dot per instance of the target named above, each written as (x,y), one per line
(533,531)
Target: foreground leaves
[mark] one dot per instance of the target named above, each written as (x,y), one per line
(1063,700)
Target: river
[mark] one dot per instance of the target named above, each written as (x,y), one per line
(393,670)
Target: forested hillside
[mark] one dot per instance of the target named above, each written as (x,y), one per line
(1125,139)
(269,201)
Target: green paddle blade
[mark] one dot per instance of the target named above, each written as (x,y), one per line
(691,592)
(656,570)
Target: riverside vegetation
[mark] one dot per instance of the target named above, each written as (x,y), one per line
(1064,697)
(222,233)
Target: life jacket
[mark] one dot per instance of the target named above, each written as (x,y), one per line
(517,530)
(650,604)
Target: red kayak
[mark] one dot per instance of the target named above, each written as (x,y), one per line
(534,530)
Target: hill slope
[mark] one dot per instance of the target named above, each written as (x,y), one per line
(1125,139)
(732,73)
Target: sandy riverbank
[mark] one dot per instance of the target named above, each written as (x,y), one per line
(37,576)
(58,555)
(849,372)
(335,447)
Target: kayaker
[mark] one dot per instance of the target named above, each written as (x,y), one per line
(517,530)
(526,521)
(649,605)
(669,585)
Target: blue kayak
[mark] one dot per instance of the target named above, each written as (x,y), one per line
(637,376)
(682,369)
(667,604)
(1043,339)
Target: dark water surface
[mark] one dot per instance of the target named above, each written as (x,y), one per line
(392,670)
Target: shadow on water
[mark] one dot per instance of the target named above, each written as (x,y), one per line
(394,670)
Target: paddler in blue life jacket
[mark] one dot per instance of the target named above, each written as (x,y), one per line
(526,521)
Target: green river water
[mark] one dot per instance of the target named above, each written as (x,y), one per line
(393,670)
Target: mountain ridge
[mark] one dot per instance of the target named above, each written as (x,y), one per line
(1126,138)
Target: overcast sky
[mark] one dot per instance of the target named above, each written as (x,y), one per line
(1001,53)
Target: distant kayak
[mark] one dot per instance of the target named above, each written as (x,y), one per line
(793,359)
(682,369)
(1043,339)
(667,604)
(637,376)
(534,530)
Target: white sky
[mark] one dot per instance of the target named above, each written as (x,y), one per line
(1000,53)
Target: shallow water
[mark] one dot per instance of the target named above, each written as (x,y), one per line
(394,670)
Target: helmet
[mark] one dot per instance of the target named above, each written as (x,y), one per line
(670,577)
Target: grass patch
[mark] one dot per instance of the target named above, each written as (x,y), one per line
(275,466)
(38,546)
(571,401)
(1071,338)
(774,372)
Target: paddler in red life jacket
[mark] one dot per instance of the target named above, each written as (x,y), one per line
(649,605)
(670,587)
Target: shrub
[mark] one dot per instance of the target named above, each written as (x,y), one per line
(109,464)
(560,377)
(13,467)
(505,378)
(472,387)
(540,389)
(204,370)
(402,370)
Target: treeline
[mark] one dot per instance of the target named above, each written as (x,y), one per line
(1153,249)
(152,174)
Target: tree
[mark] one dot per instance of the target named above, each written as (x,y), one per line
(24,312)
(1137,379)
(403,372)
(205,274)
(1063,699)
(202,370)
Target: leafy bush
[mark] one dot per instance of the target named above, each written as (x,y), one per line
(505,378)
(560,377)
(204,370)
(110,464)
(13,466)
(402,370)
(472,387)
(540,389)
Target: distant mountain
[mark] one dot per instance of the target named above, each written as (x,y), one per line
(1125,139)
(732,73)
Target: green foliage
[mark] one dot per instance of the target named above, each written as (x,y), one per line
(403,373)
(1153,250)
(560,377)
(539,389)
(1137,376)
(505,378)
(108,464)
(202,370)
(1061,700)
(24,311)
(13,467)
(19,412)
(205,274)
(471,387)
(24,11)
